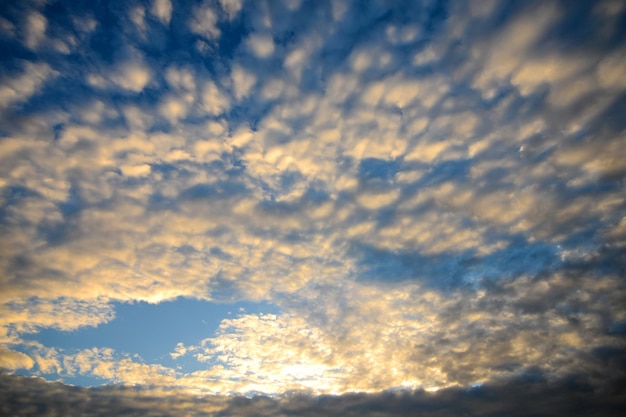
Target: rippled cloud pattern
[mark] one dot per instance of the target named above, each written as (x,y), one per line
(402,202)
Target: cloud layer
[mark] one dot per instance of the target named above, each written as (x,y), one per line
(529,395)
(432,201)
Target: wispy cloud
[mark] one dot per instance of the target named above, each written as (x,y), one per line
(162,9)
(20,87)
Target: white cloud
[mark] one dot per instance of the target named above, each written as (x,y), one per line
(85,24)
(301,54)
(372,340)
(215,101)
(13,360)
(136,170)
(376,201)
(96,113)
(162,9)
(180,78)
(107,364)
(175,108)
(35,30)
(505,54)
(426,56)
(231,7)
(402,34)
(64,314)
(179,351)
(131,75)
(550,70)
(595,157)
(204,22)
(243,81)
(371,210)
(261,45)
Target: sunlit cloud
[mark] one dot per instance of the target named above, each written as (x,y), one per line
(204,22)
(162,9)
(20,88)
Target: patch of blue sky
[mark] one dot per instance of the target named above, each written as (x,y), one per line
(79,380)
(152,331)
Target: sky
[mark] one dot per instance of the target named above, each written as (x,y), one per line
(290,207)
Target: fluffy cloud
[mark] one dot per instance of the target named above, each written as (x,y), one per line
(366,338)
(243,81)
(162,9)
(231,7)
(204,22)
(12,360)
(131,76)
(215,101)
(261,45)
(36,25)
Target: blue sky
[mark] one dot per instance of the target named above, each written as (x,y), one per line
(239,197)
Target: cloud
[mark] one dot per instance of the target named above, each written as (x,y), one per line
(214,100)
(429,205)
(137,16)
(133,76)
(130,73)
(180,78)
(261,45)
(12,360)
(162,9)
(7,28)
(20,88)
(231,7)
(243,81)
(516,41)
(175,108)
(368,338)
(64,314)
(35,30)
(204,22)
(136,170)
(104,363)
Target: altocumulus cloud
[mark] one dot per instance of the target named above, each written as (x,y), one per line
(431,194)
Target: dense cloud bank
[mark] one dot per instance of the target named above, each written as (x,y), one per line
(528,395)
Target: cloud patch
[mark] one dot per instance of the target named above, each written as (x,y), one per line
(162,9)
(20,88)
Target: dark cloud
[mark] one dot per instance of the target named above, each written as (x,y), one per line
(530,394)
